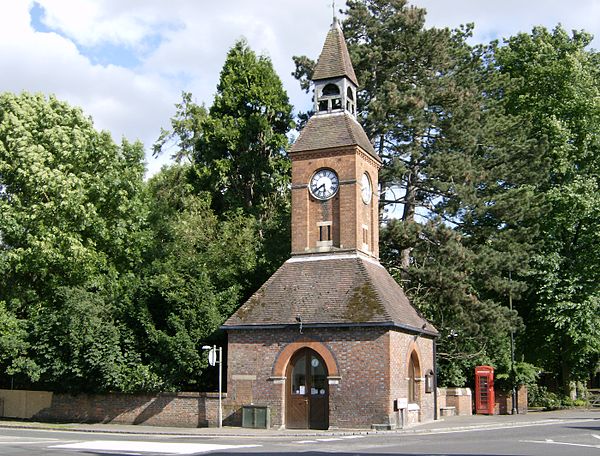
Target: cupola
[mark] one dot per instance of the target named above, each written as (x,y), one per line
(334,78)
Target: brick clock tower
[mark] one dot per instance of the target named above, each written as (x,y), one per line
(331,340)
(334,166)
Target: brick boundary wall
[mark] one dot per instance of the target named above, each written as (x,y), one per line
(163,409)
(503,405)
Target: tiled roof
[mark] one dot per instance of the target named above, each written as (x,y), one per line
(333,289)
(334,60)
(323,131)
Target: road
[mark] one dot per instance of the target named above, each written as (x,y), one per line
(578,436)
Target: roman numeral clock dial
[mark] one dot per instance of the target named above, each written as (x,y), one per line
(324,184)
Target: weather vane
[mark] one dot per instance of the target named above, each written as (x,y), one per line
(333,10)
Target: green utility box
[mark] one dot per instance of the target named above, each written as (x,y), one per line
(256,416)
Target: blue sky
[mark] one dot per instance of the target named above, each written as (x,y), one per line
(127,62)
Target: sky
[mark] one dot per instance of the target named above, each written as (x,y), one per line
(126,62)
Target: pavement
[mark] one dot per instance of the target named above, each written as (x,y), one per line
(443,425)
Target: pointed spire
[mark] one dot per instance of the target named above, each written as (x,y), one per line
(334,61)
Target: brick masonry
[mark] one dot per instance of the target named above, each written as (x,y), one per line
(459,398)
(345,210)
(371,364)
(165,409)
(503,405)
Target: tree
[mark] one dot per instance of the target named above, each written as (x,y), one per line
(239,152)
(240,155)
(432,104)
(72,218)
(556,89)
(198,273)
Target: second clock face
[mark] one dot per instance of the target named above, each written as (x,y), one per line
(365,188)
(324,184)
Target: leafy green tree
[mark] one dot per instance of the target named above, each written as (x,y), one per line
(198,274)
(240,154)
(72,217)
(239,148)
(432,105)
(557,90)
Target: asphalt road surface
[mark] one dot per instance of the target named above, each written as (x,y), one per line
(578,436)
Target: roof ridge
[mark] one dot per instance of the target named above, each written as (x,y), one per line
(349,127)
(375,289)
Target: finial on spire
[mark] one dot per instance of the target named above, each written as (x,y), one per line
(333,12)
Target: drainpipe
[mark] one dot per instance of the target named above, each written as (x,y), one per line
(435,398)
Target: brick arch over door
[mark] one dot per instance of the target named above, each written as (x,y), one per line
(413,349)
(286,354)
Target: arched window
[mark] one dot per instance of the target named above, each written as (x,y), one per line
(413,378)
(349,94)
(331,89)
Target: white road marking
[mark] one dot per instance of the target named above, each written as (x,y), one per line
(11,440)
(552,442)
(596,436)
(25,442)
(331,439)
(148,447)
(509,426)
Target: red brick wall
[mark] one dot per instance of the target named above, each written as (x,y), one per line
(372,371)
(459,398)
(346,210)
(165,409)
(503,405)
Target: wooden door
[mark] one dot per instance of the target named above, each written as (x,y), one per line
(307,392)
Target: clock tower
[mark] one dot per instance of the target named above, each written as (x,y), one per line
(334,165)
(331,340)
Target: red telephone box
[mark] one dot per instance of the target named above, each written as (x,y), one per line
(484,390)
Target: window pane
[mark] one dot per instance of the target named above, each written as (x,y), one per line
(319,377)
(299,376)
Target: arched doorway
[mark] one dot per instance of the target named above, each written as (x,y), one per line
(307,391)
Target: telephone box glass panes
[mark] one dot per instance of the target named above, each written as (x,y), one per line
(324,184)
(299,376)
(319,377)
(483,389)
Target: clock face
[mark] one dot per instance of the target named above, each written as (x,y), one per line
(365,188)
(324,184)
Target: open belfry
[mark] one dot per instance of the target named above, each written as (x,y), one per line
(331,340)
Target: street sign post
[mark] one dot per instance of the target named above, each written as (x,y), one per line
(215,356)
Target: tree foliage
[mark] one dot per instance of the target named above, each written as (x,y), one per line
(197,275)
(72,219)
(557,89)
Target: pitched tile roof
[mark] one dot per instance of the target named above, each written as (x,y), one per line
(334,60)
(333,130)
(339,289)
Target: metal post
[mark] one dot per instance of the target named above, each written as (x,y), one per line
(220,385)
(435,398)
(512,349)
(215,356)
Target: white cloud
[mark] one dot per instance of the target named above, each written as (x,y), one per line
(181,45)
(507,17)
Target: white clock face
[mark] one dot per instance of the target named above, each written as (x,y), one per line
(365,188)
(324,184)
